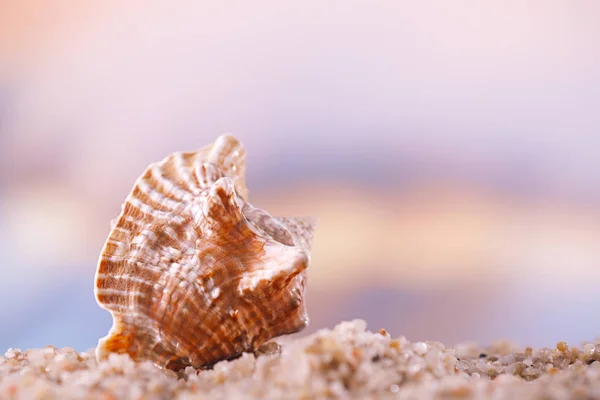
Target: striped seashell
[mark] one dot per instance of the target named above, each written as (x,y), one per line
(192,273)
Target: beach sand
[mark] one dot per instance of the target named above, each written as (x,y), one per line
(346,362)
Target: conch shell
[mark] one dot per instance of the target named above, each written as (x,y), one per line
(192,273)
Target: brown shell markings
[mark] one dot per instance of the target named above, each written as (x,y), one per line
(192,273)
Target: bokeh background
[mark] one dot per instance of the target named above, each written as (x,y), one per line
(450,150)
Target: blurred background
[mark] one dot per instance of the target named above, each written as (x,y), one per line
(450,150)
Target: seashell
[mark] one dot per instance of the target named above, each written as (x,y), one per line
(192,273)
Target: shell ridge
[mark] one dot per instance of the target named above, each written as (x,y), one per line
(159,174)
(186,182)
(207,173)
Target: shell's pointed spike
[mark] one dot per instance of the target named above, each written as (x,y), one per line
(220,208)
(229,155)
(281,264)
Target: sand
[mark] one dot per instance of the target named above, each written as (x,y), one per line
(345,362)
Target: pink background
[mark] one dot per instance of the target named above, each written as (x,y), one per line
(449,149)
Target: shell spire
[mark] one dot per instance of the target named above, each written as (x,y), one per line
(191,272)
